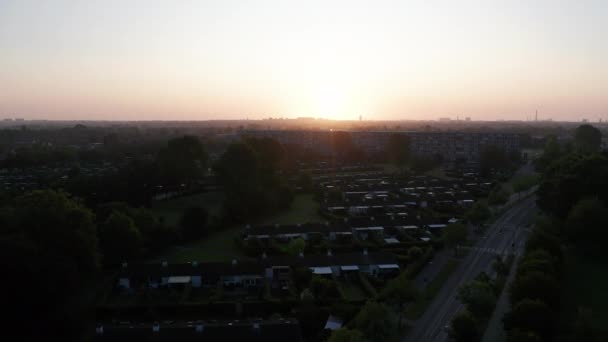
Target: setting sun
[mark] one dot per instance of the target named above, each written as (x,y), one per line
(331,103)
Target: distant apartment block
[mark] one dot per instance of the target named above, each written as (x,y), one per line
(449,146)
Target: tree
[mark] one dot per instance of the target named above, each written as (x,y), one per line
(500,267)
(183,160)
(104,210)
(531,316)
(570,179)
(346,335)
(523,183)
(423,163)
(193,223)
(323,288)
(302,276)
(119,239)
(479,298)
(499,195)
(544,240)
(269,152)
(552,151)
(295,246)
(492,158)
(414,252)
(399,292)
(587,138)
(305,182)
(374,321)
(158,236)
(307,296)
(478,214)
(535,285)
(454,234)
(251,180)
(463,327)
(398,149)
(49,259)
(517,335)
(586,225)
(538,260)
(61,224)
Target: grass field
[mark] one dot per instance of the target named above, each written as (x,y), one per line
(220,245)
(438,172)
(584,286)
(303,209)
(172,209)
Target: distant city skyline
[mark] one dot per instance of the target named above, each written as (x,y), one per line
(381,60)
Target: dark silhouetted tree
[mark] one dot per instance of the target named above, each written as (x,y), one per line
(193,223)
(374,321)
(119,239)
(587,139)
(463,327)
(346,335)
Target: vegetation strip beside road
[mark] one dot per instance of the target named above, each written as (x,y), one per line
(417,308)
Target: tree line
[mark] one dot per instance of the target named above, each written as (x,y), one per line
(573,196)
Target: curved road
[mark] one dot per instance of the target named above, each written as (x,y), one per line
(506,235)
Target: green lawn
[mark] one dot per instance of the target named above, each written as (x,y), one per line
(303,209)
(172,209)
(438,172)
(584,286)
(217,247)
(220,245)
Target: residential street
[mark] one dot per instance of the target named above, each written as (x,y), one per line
(507,234)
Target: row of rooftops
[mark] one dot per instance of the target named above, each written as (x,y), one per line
(345,225)
(213,269)
(402,202)
(208,331)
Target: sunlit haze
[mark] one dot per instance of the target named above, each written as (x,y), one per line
(202,60)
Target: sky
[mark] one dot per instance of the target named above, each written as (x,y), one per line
(227,59)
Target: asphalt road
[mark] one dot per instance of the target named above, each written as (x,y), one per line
(506,235)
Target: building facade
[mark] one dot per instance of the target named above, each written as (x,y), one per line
(449,146)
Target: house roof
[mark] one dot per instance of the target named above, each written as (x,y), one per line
(208,269)
(278,330)
(322,260)
(305,228)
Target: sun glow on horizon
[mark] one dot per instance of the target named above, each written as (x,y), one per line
(231,59)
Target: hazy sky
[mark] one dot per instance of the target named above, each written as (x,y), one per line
(181,59)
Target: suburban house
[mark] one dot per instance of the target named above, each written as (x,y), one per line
(251,275)
(306,231)
(211,331)
(378,264)
(231,275)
